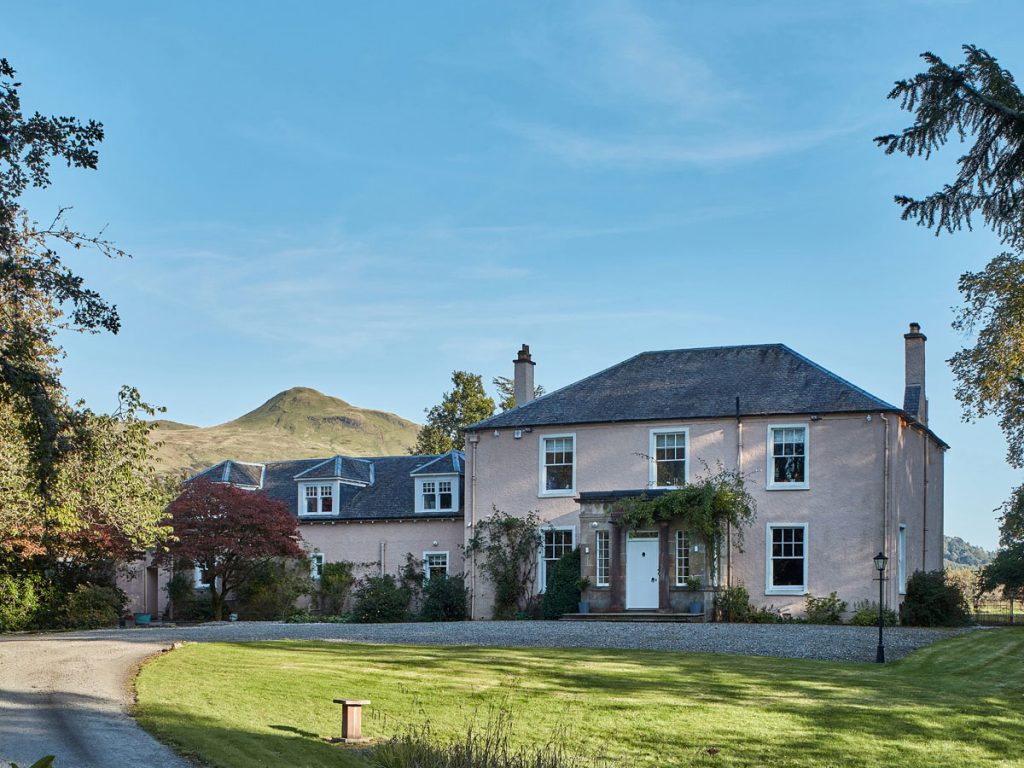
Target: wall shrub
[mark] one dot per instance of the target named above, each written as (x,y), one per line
(445,598)
(866,615)
(336,580)
(933,601)
(91,606)
(825,610)
(732,604)
(272,589)
(562,594)
(381,600)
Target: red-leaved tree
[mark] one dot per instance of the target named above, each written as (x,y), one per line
(227,533)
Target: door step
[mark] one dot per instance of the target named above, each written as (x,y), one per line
(638,616)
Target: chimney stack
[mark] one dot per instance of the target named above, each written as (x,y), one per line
(523,389)
(914,401)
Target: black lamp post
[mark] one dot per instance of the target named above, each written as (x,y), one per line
(880,562)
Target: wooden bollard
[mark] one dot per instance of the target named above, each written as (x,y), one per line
(352,720)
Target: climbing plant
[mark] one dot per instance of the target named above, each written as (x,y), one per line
(507,546)
(707,509)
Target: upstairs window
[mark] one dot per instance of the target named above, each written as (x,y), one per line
(787,455)
(436,495)
(558,465)
(668,458)
(319,500)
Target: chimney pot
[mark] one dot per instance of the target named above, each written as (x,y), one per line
(523,381)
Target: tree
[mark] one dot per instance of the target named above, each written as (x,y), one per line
(977,99)
(1007,569)
(228,534)
(507,390)
(507,546)
(466,404)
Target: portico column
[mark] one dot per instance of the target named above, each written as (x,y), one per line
(618,549)
(664,563)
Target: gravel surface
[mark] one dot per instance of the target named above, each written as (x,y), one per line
(67,693)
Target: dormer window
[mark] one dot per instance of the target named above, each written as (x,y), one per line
(436,495)
(319,499)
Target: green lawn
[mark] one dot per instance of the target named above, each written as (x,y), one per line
(957,703)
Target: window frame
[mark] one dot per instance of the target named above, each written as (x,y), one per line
(901,558)
(771,484)
(447,562)
(197,578)
(682,542)
(602,552)
(420,482)
(769,589)
(318,485)
(542,479)
(542,563)
(652,478)
(315,570)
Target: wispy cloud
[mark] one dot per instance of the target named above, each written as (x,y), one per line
(657,103)
(657,151)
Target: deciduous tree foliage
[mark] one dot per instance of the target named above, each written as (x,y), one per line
(71,480)
(466,404)
(228,533)
(1007,569)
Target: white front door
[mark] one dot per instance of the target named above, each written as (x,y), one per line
(642,570)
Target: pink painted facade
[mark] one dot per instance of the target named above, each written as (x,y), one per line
(860,498)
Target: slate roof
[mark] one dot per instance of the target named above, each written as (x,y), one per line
(389,496)
(769,379)
(442,465)
(912,400)
(242,473)
(340,468)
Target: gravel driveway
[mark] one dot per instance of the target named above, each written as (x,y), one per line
(67,693)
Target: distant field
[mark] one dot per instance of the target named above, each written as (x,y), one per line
(956,703)
(299,423)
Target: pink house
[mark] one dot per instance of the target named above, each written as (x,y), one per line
(837,474)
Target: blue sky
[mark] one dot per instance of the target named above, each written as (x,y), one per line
(363,197)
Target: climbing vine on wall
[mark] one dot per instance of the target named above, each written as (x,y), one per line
(706,508)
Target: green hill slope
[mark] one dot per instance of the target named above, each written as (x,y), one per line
(299,423)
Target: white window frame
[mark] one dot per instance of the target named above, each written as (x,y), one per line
(437,480)
(542,484)
(682,543)
(901,558)
(318,485)
(317,560)
(792,590)
(447,562)
(602,552)
(770,450)
(197,578)
(542,564)
(653,444)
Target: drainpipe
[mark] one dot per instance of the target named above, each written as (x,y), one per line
(383,552)
(885,487)
(474,439)
(924,521)
(739,469)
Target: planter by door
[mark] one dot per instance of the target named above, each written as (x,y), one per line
(642,570)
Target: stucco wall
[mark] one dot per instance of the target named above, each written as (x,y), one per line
(842,507)
(132,579)
(361,543)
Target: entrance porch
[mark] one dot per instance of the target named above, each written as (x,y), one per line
(642,575)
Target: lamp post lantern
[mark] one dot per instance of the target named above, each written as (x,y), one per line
(880,562)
